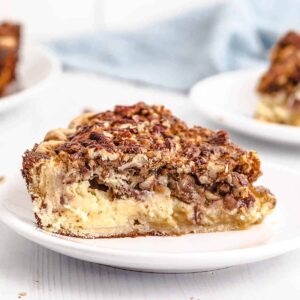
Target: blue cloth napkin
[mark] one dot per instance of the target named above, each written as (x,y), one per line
(178,52)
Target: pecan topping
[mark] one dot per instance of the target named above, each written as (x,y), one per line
(135,150)
(284,73)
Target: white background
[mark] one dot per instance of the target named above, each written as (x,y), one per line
(48,19)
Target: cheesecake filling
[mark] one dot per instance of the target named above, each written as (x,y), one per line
(279,108)
(89,210)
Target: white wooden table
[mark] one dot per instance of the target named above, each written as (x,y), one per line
(28,271)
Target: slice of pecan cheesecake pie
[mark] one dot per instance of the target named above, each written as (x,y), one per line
(138,170)
(10,34)
(279,87)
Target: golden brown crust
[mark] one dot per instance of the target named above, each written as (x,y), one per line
(30,158)
(112,236)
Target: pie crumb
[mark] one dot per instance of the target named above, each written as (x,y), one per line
(22,294)
(87,110)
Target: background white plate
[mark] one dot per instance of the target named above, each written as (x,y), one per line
(229,99)
(36,69)
(190,253)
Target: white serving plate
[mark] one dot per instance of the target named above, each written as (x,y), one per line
(279,234)
(229,99)
(37,69)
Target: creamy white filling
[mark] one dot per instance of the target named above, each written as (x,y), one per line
(79,209)
(275,108)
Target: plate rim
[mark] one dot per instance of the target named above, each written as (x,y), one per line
(42,237)
(271,132)
(11,100)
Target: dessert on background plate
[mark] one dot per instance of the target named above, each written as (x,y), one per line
(279,87)
(9,53)
(139,170)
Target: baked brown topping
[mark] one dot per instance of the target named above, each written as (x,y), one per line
(9,47)
(145,148)
(284,73)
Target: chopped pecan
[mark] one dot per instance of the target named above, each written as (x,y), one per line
(230,202)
